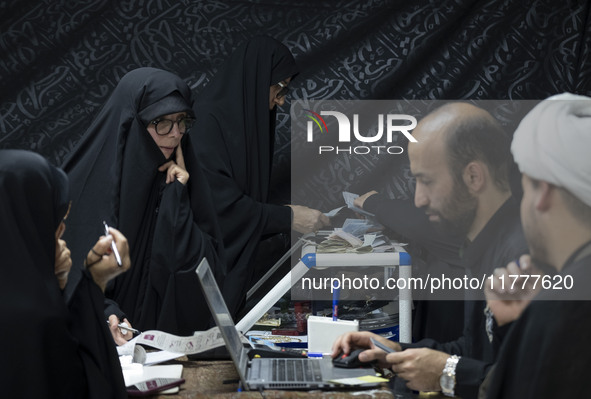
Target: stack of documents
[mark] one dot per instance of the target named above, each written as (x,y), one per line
(356,236)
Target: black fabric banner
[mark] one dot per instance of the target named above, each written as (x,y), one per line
(60,60)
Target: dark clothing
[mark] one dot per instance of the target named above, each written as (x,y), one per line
(170,227)
(439,320)
(402,217)
(235,145)
(52,349)
(546,352)
(500,242)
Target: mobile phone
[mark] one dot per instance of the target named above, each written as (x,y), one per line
(152,386)
(383,347)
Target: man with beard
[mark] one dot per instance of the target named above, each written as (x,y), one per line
(434,253)
(461,163)
(546,353)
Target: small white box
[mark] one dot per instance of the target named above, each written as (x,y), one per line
(323,331)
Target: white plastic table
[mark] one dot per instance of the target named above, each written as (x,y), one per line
(311,259)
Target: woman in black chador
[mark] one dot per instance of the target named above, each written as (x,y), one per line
(135,168)
(236,114)
(51,348)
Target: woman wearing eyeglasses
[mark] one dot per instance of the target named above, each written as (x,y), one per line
(235,141)
(135,168)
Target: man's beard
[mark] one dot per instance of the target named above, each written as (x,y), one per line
(536,243)
(458,212)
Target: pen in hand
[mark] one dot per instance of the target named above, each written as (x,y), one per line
(383,347)
(113,246)
(125,327)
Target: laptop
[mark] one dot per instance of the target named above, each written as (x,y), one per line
(271,373)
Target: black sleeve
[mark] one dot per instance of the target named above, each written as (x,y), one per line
(457,347)
(400,216)
(280,218)
(240,214)
(112,307)
(405,219)
(469,372)
(178,246)
(96,345)
(499,334)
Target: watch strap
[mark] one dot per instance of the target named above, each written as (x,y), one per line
(450,371)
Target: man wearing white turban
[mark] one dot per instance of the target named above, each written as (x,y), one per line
(546,353)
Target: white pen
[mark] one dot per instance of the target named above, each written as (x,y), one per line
(113,246)
(125,326)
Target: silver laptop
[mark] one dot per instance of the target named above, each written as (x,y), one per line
(271,373)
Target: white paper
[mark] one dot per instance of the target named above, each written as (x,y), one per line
(350,238)
(333,212)
(368,239)
(167,371)
(201,341)
(160,357)
(139,354)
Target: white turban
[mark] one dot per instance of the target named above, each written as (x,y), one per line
(553,144)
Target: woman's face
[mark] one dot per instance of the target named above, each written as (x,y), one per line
(276,90)
(167,142)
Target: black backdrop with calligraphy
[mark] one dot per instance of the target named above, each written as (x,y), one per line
(59,60)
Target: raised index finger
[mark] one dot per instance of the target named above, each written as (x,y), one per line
(180,159)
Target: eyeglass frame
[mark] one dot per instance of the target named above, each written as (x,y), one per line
(283,92)
(156,121)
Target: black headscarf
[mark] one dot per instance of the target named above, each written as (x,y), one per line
(235,146)
(170,227)
(52,349)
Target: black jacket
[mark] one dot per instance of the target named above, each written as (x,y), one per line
(170,227)
(235,145)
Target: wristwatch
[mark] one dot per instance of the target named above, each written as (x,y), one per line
(448,377)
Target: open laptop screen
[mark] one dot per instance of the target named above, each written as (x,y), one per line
(220,311)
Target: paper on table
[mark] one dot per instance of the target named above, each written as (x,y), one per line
(160,357)
(350,238)
(366,379)
(368,239)
(167,371)
(201,341)
(139,354)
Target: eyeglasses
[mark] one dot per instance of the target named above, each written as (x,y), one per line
(283,92)
(164,126)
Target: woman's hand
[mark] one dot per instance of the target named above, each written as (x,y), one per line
(118,336)
(308,220)
(63,261)
(101,261)
(176,170)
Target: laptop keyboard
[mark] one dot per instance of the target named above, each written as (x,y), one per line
(296,370)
